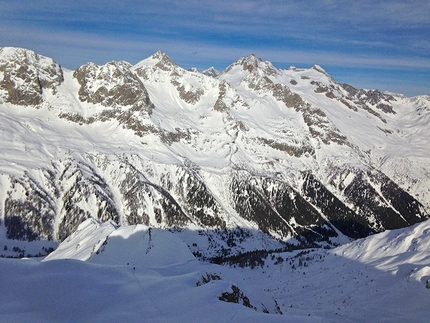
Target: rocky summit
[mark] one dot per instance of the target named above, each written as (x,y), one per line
(276,158)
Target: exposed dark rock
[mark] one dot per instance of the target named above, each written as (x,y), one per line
(26,75)
(342,217)
(375,207)
(112,85)
(30,216)
(236,296)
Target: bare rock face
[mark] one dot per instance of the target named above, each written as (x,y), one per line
(119,90)
(211,71)
(30,210)
(26,75)
(111,85)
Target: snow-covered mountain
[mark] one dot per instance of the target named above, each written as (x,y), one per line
(106,273)
(254,158)
(211,71)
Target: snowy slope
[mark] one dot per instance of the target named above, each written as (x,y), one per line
(138,245)
(85,241)
(381,278)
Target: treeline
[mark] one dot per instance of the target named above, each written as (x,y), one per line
(255,258)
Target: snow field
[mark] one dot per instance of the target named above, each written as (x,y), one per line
(381,278)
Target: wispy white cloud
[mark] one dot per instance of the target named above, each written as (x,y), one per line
(187,51)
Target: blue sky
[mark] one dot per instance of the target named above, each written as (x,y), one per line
(368,44)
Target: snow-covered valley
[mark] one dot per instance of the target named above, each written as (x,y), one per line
(105,273)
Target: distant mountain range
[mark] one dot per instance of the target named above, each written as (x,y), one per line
(252,158)
(211,71)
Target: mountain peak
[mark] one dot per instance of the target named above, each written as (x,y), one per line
(252,63)
(25,55)
(14,52)
(26,74)
(158,59)
(319,69)
(211,71)
(194,70)
(162,57)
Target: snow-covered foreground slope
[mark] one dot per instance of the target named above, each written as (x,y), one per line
(136,245)
(381,278)
(137,274)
